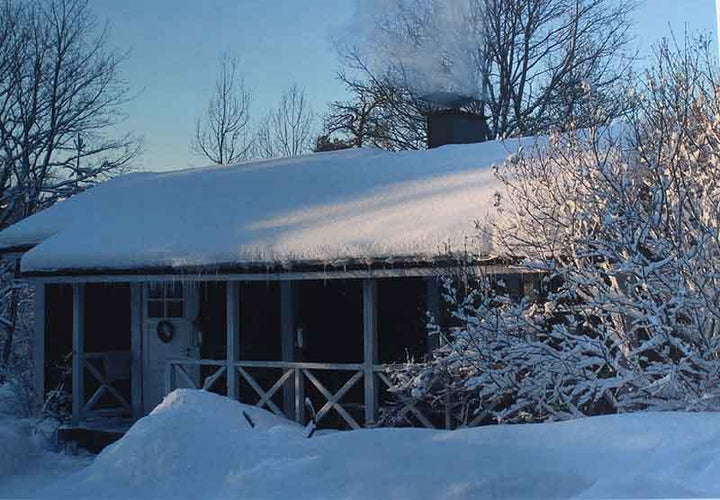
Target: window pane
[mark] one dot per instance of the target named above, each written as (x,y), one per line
(155,308)
(174,308)
(155,291)
(174,290)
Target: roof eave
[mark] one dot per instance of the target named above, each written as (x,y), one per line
(262,271)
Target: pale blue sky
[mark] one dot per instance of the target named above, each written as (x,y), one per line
(174,45)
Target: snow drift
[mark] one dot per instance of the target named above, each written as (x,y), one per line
(15,444)
(26,464)
(198,445)
(355,204)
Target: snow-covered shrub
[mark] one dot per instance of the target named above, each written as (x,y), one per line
(511,360)
(624,222)
(16,328)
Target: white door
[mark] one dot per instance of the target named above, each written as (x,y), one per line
(169,334)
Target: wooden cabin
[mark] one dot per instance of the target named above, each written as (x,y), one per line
(269,281)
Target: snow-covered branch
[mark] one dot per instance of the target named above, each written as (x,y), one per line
(625,221)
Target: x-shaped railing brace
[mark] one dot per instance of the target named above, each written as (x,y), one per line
(332,399)
(104,386)
(209,381)
(407,402)
(265,397)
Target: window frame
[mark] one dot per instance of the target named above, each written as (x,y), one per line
(166,294)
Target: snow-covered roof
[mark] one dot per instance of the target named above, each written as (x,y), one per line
(353,205)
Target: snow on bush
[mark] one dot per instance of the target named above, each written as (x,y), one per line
(199,445)
(8,400)
(18,440)
(16,360)
(624,224)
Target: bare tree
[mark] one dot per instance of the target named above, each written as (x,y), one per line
(60,91)
(555,62)
(287,129)
(380,114)
(222,133)
(532,65)
(60,95)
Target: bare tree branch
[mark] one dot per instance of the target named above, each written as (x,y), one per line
(535,65)
(287,129)
(222,133)
(60,90)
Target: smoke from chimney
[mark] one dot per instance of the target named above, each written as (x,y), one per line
(428,46)
(434,48)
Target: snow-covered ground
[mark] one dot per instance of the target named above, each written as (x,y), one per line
(26,463)
(198,445)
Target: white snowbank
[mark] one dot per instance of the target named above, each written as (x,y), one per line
(9,405)
(352,204)
(15,446)
(26,465)
(198,445)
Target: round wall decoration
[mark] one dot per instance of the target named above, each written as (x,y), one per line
(165,331)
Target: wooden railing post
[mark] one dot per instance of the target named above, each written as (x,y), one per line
(78,361)
(136,361)
(370,349)
(169,378)
(434,340)
(233,336)
(39,342)
(433,308)
(287,337)
(299,396)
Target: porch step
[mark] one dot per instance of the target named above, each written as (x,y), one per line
(92,436)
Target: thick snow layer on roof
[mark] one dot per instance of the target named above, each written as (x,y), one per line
(198,445)
(327,207)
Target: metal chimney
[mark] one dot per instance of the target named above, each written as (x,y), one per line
(448,124)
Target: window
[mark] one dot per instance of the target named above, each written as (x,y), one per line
(165,300)
(533,287)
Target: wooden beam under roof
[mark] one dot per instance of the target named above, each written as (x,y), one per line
(280,276)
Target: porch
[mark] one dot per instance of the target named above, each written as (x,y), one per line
(327,349)
(272,344)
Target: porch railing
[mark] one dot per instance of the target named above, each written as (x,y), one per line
(292,378)
(106,369)
(178,368)
(298,373)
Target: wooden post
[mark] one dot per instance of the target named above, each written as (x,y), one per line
(136,364)
(39,342)
(299,396)
(169,378)
(287,338)
(233,336)
(433,339)
(78,369)
(433,307)
(370,348)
